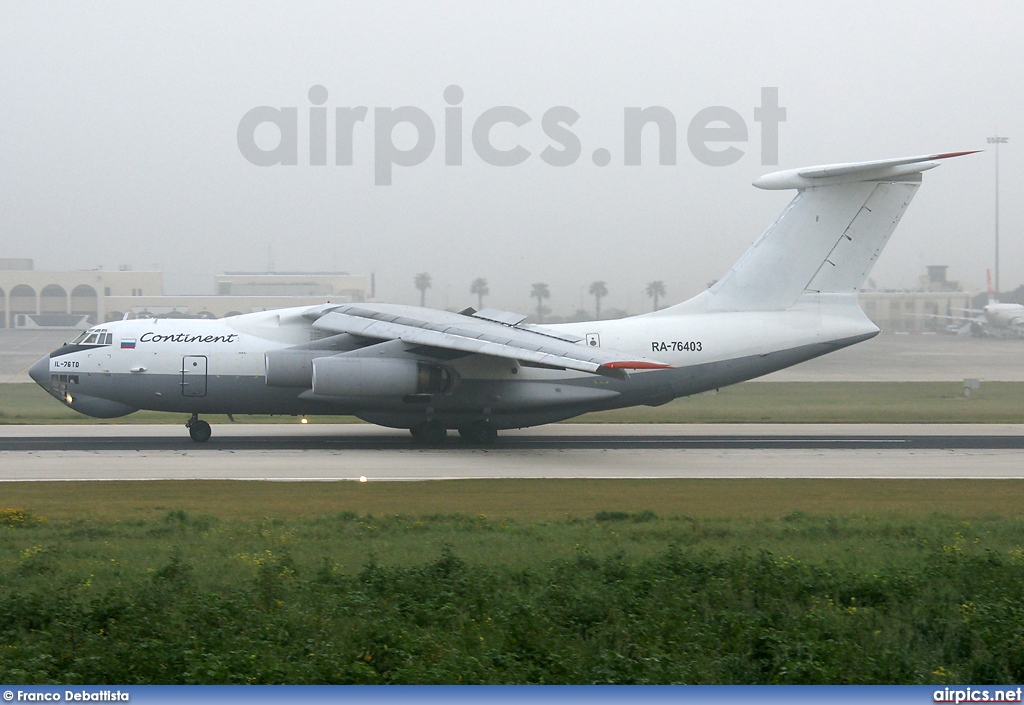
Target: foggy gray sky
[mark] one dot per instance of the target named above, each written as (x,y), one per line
(118,137)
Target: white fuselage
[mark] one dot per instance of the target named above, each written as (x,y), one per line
(219,366)
(1004,315)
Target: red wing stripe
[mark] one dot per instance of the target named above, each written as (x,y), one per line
(635,365)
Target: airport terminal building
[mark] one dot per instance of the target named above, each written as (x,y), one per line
(32,298)
(935,305)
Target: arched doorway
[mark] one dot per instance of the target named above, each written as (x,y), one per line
(22,301)
(53,299)
(84,302)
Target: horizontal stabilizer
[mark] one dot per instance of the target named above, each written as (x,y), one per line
(830,174)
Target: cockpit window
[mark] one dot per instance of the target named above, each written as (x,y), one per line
(94,336)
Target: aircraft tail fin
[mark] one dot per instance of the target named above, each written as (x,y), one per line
(828,237)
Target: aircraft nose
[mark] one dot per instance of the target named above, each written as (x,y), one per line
(40,371)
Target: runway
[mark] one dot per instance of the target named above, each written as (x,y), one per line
(318,452)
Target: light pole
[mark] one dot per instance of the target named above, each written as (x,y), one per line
(997,141)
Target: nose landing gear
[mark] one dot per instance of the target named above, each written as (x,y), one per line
(198,429)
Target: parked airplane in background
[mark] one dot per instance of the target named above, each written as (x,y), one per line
(994,319)
(790,298)
(1009,317)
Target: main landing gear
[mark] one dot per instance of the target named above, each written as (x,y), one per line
(432,433)
(198,429)
(479,433)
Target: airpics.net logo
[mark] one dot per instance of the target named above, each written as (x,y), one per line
(712,134)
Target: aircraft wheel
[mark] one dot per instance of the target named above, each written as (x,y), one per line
(431,433)
(199,431)
(479,432)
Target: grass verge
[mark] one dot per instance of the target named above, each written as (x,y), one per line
(520,499)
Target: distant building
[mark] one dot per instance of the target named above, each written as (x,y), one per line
(914,311)
(353,288)
(935,279)
(938,303)
(78,299)
(33,298)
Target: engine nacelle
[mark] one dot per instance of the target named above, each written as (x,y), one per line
(291,368)
(344,376)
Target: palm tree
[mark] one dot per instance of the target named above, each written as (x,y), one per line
(598,290)
(479,287)
(423,283)
(540,292)
(656,290)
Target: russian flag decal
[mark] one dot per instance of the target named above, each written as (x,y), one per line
(128,344)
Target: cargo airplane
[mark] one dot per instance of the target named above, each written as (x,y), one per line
(791,297)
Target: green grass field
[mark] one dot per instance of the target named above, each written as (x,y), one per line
(513,581)
(751,402)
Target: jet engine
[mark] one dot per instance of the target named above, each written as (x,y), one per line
(344,376)
(291,368)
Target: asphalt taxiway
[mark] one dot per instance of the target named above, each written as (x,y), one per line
(320,452)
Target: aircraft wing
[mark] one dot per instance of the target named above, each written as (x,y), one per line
(477,335)
(961,319)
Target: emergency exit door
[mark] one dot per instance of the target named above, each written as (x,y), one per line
(193,376)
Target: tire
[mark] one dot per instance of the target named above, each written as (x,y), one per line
(200,431)
(430,433)
(479,433)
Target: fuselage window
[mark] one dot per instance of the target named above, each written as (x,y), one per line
(80,338)
(91,340)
